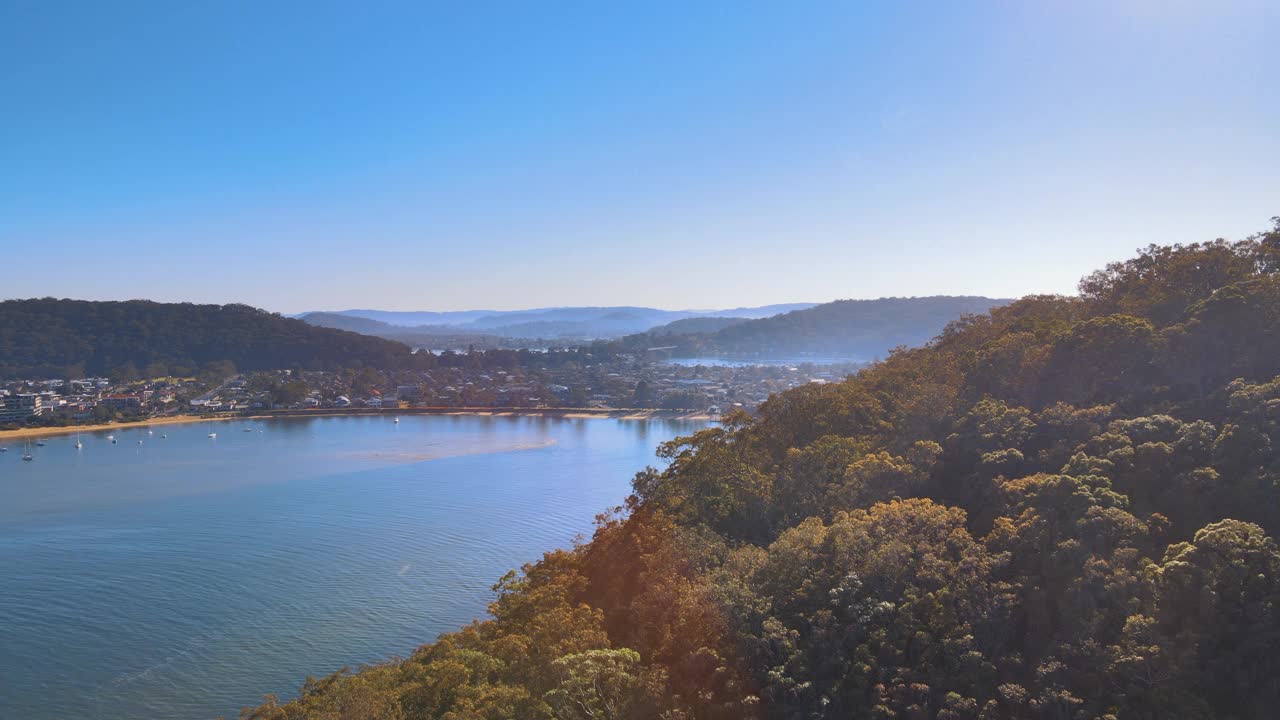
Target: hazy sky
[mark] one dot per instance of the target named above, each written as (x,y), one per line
(440,156)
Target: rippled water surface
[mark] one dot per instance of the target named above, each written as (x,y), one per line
(185,576)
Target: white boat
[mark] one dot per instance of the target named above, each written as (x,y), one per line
(213,435)
(248,429)
(78,443)
(4,449)
(26,455)
(396,421)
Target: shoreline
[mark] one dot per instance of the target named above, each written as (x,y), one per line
(566,413)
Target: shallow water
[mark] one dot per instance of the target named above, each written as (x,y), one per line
(186,576)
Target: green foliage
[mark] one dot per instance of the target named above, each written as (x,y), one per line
(1061,510)
(596,685)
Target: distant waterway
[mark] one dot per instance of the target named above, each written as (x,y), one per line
(175,575)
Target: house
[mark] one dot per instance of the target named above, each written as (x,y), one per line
(120,401)
(21,407)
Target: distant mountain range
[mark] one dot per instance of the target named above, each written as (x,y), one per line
(846,329)
(563,323)
(434,337)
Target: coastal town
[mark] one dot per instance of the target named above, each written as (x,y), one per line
(615,382)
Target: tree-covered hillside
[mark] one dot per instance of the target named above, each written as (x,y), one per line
(1061,510)
(858,330)
(694,325)
(72,338)
(350,323)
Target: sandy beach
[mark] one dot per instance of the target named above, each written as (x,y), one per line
(568,413)
(97,427)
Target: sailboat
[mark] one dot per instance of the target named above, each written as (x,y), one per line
(26,455)
(78,443)
(39,443)
(396,421)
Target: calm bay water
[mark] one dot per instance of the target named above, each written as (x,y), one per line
(186,576)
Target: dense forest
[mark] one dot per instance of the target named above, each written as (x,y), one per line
(73,338)
(860,330)
(1062,509)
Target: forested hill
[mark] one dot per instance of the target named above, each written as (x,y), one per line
(352,323)
(696,325)
(1062,510)
(60,338)
(861,330)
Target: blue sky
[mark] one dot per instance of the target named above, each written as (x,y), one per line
(445,156)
